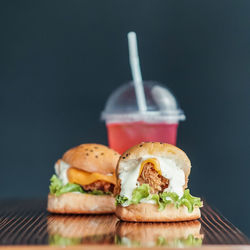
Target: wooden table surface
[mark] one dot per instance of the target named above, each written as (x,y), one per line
(26,223)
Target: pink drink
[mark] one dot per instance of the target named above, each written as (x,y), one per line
(128,126)
(122,136)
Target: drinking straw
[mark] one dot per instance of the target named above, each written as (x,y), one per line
(136,71)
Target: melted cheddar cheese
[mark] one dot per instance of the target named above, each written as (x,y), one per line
(154,162)
(85,178)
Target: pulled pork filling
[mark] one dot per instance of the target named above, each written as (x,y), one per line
(150,176)
(99,185)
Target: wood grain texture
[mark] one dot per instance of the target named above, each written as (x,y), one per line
(28,223)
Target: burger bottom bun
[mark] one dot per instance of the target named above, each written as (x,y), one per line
(145,212)
(77,203)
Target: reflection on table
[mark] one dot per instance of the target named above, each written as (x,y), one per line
(107,229)
(179,234)
(76,229)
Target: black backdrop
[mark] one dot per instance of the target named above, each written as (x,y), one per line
(60,60)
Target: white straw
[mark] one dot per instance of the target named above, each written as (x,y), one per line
(136,71)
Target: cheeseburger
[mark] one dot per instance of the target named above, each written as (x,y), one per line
(84,181)
(152,180)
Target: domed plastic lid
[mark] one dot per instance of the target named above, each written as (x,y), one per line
(162,106)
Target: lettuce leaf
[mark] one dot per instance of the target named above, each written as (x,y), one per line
(140,193)
(189,201)
(98,192)
(55,184)
(120,200)
(57,188)
(161,199)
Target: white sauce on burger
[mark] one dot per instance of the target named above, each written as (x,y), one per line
(130,172)
(61,168)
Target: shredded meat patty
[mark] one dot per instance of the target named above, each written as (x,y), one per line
(99,185)
(150,176)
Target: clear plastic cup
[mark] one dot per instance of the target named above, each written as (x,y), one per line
(127,126)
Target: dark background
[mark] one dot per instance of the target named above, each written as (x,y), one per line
(60,60)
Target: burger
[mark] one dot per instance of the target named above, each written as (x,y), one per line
(84,181)
(152,179)
(176,234)
(68,230)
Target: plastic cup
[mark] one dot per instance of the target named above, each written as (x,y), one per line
(127,126)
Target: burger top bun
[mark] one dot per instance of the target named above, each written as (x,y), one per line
(156,149)
(92,158)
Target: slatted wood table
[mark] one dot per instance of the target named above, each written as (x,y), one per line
(26,223)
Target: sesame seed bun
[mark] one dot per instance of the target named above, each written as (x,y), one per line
(93,158)
(156,149)
(150,213)
(77,203)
